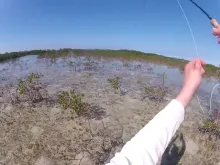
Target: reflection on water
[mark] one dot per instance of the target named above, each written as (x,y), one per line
(58,69)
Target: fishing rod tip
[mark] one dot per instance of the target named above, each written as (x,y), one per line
(209,17)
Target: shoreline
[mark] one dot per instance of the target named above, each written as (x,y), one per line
(211,70)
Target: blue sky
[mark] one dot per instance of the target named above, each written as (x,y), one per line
(156,26)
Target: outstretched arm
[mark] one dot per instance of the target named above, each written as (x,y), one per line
(148,145)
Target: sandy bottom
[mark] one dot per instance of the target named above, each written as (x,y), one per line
(49,135)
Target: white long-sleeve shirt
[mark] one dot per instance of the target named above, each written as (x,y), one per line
(149,144)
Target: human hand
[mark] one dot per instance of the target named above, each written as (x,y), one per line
(216,32)
(193,73)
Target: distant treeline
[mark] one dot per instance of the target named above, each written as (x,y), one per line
(211,70)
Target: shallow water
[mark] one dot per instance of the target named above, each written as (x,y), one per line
(47,131)
(56,70)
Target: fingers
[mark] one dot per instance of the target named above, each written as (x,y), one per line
(199,67)
(198,64)
(198,60)
(216,31)
(194,61)
(202,70)
(202,62)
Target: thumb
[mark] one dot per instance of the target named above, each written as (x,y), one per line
(202,70)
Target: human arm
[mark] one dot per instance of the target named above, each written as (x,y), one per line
(149,143)
(216,32)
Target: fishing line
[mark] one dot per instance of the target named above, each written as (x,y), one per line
(191,31)
(210,101)
(216,25)
(196,48)
(195,44)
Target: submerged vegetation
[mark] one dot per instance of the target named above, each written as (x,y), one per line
(164,77)
(115,83)
(73,101)
(155,93)
(211,126)
(28,90)
(101,123)
(211,70)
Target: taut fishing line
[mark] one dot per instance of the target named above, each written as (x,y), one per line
(215,24)
(187,21)
(194,41)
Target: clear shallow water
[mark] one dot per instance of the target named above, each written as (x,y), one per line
(59,69)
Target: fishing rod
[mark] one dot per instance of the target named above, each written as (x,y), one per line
(214,22)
